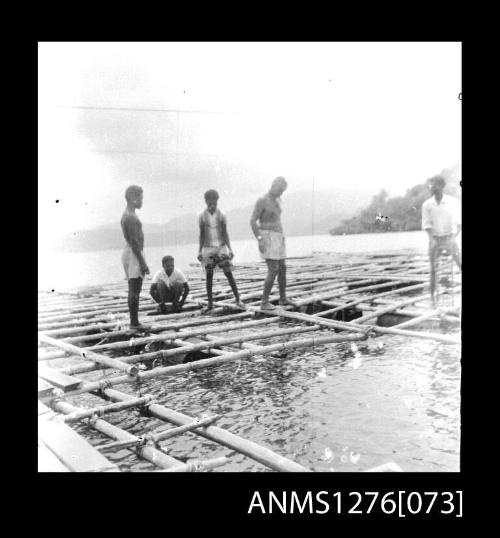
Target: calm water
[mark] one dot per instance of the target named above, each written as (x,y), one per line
(335,407)
(60,271)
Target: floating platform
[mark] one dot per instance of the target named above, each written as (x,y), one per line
(87,348)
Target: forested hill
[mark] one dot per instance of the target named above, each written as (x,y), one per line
(398,214)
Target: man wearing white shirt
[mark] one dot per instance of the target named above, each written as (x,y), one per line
(168,285)
(441,219)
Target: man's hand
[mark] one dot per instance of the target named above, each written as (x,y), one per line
(261,246)
(231,254)
(144,269)
(200,257)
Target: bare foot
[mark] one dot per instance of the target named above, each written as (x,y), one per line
(241,304)
(140,327)
(267,306)
(207,310)
(162,309)
(287,302)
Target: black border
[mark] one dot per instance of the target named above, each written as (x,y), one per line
(217,497)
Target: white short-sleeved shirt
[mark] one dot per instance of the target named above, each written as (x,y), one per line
(176,276)
(441,218)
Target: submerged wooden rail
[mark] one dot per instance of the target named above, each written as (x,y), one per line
(89,355)
(216,361)
(93,325)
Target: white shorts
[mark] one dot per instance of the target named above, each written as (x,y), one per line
(274,245)
(131,264)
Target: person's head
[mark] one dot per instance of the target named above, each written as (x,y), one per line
(134,196)
(278,186)
(168,264)
(211,198)
(436,185)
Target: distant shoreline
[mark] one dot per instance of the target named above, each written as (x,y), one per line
(157,244)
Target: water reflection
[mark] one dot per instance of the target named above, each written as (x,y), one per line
(401,403)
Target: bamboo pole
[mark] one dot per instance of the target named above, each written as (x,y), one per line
(83,308)
(179,430)
(214,433)
(131,370)
(121,316)
(170,335)
(388,276)
(200,320)
(79,305)
(424,317)
(371,297)
(106,409)
(407,312)
(416,334)
(391,308)
(351,326)
(188,347)
(161,436)
(51,355)
(190,311)
(361,289)
(196,466)
(93,313)
(149,453)
(216,361)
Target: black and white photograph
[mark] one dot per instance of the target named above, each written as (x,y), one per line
(249,257)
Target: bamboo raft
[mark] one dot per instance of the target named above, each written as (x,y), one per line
(338,298)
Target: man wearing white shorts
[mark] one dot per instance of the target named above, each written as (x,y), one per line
(134,263)
(267,228)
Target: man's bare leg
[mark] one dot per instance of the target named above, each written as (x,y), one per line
(177,290)
(234,288)
(282,284)
(158,297)
(134,291)
(163,293)
(210,279)
(272,271)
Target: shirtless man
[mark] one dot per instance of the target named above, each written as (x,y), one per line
(133,260)
(269,233)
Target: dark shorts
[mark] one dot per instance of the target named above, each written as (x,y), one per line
(223,262)
(170,294)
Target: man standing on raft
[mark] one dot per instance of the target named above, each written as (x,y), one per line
(215,248)
(134,264)
(442,221)
(269,234)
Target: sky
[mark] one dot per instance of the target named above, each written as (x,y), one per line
(232,116)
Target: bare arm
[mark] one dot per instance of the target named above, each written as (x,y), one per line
(427,223)
(132,231)
(202,239)
(257,212)
(225,235)
(184,294)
